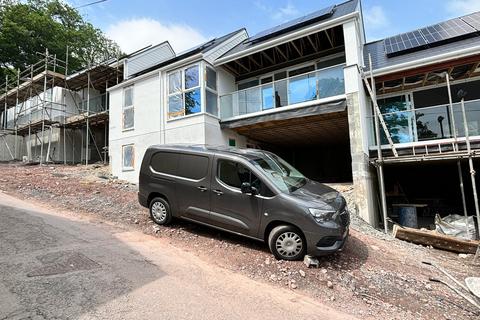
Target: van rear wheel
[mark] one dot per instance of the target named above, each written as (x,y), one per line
(160,211)
(287,243)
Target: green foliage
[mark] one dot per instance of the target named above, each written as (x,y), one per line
(32,26)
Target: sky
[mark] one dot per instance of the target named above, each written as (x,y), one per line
(134,24)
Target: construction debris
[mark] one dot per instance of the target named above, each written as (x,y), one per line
(311,262)
(375,275)
(435,239)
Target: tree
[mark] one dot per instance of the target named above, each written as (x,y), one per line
(30,27)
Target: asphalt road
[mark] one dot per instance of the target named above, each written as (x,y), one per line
(57,266)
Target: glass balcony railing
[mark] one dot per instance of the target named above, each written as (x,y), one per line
(315,85)
(429,123)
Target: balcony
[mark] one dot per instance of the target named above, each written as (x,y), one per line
(413,126)
(314,86)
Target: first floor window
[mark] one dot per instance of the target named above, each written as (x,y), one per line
(184,92)
(128,111)
(128,155)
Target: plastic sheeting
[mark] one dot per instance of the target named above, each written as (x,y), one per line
(455,225)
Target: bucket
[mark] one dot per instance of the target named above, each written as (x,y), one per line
(408,216)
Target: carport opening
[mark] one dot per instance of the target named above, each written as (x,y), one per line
(317,145)
(434,188)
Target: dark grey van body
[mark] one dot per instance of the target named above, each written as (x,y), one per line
(187,178)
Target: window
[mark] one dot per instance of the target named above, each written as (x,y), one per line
(232,142)
(128,161)
(128,112)
(192,166)
(184,92)
(279,172)
(211,91)
(234,174)
(165,162)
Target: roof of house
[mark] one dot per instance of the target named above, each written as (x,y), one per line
(380,58)
(202,48)
(339,10)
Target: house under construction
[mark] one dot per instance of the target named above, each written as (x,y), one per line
(49,115)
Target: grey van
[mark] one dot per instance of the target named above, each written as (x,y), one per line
(249,192)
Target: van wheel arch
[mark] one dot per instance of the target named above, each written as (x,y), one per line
(154,195)
(273,224)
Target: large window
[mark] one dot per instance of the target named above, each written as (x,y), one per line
(184,93)
(128,111)
(128,157)
(186,88)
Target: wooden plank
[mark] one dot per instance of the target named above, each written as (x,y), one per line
(435,239)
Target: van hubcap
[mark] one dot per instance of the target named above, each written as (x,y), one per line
(159,211)
(289,244)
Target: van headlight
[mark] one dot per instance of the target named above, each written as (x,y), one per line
(321,215)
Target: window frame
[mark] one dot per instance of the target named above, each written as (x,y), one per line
(183,91)
(211,90)
(124,168)
(127,108)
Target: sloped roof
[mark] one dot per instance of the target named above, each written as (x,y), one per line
(340,10)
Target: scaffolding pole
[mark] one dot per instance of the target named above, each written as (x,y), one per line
(470,162)
(88,114)
(15,115)
(379,166)
(44,106)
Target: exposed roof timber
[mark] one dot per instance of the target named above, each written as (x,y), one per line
(338,22)
(241,65)
(267,57)
(472,70)
(254,61)
(296,48)
(429,68)
(329,38)
(281,53)
(314,46)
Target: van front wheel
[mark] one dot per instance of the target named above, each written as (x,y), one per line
(287,243)
(160,211)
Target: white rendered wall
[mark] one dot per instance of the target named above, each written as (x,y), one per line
(146,130)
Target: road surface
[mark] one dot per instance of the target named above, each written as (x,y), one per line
(56,265)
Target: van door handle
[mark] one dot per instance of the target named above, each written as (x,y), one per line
(218,192)
(202,188)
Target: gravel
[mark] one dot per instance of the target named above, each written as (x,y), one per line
(376,276)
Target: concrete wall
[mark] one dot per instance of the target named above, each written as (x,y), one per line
(363,176)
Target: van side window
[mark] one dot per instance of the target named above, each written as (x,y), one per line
(165,162)
(234,174)
(192,166)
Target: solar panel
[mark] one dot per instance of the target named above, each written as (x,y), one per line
(315,16)
(473,20)
(446,30)
(404,42)
(432,35)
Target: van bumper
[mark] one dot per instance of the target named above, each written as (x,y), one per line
(142,200)
(321,246)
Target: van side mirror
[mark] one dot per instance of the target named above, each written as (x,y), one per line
(247,188)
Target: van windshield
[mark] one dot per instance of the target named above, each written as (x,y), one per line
(278,171)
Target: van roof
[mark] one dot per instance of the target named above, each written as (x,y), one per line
(245,153)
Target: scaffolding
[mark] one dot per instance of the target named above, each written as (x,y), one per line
(44,98)
(452,150)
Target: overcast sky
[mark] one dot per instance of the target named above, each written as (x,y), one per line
(134,24)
